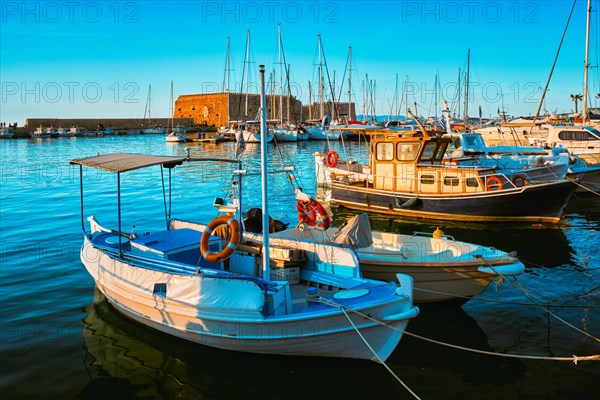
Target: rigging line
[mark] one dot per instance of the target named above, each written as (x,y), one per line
(537,113)
(377,355)
(575,359)
(530,298)
(342,84)
(504,301)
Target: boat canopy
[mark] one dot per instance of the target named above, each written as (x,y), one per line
(122,162)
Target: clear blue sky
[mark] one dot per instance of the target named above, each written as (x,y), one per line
(97,59)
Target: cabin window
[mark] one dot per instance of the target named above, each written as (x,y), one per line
(451,180)
(384,151)
(472,182)
(407,151)
(441,151)
(428,151)
(575,135)
(427,179)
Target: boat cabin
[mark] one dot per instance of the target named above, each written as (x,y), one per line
(415,163)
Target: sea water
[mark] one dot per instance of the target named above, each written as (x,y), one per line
(61,339)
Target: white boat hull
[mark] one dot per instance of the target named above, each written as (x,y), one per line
(240,328)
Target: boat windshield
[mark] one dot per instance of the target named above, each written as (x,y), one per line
(594,132)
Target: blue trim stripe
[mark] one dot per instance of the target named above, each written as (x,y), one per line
(232,246)
(208,230)
(230,220)
(207,253)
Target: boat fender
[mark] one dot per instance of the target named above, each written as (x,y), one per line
(408,204)
(312,213)
(493,183)
(519,180)
(231,246)
(332,159)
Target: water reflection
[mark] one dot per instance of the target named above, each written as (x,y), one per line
(127,358)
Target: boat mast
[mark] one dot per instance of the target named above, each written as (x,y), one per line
(247,71)
(309,102)
(467,88)
(321,84)
(288,92)
(586,64)
(280,76)
(227,74)
(436,96)
(458,91)
(406,91)
(172,108)
(265,188)
(350,88)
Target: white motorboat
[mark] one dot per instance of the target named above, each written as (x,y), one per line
(442,268)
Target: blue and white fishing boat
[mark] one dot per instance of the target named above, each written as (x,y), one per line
(186,283)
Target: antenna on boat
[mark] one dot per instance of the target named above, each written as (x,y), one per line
(263,162)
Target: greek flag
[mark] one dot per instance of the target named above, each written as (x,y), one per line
(443,123)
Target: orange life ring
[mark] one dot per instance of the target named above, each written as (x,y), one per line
(332,159)
(493,183)
(312,213)
(519,180)
(231,246)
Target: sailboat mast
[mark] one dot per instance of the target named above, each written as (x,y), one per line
(321,84)
(350,88)
(586,64)
(467,88)
(406,91)
(458,92)
(227,75)
(247,71)
(309,102)
(280,76)
(436,96)
(288,91)
(172,108)
(265,188)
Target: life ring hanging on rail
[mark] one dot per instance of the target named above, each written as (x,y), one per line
(332,159)
(231,246)
(519,180)
(312,213)
(493,183)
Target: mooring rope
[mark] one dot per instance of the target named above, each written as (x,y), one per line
(575,359)
(343,308)
(533,300)
(508,302)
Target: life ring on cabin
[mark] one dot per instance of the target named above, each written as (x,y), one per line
(234,240)
(332,159)
(493,183)
(312,213)
(519,180)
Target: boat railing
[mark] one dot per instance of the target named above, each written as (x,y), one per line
(490,181)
